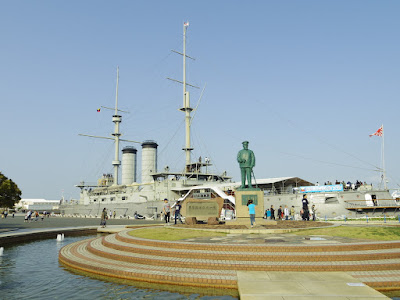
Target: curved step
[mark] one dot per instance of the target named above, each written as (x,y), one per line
(76,256)
(264,254)
(213,265)
(125,237)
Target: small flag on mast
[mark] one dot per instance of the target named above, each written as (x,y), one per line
(379,132)
(186,24)
(98,110)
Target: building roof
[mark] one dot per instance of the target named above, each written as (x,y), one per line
(261,183)
(32,201)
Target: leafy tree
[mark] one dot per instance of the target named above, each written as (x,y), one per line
(10,194)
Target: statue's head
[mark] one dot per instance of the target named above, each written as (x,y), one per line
(245,144)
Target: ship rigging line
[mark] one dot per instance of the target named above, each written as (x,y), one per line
(331,163)
(172,137)
(198,103)
(313,136)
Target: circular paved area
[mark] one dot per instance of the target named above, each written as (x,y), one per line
(213,263)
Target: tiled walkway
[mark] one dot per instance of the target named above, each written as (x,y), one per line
(302,286)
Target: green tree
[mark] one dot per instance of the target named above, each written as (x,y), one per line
(10,194)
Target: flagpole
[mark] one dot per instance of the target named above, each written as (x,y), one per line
(383,158)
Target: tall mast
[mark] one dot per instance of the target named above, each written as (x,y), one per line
(116,119)
(186,103)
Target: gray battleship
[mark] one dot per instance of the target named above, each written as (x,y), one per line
(128,197)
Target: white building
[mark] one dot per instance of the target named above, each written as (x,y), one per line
(38,204)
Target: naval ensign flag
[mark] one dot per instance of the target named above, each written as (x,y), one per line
(379,132)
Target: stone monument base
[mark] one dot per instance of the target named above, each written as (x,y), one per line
(242,211)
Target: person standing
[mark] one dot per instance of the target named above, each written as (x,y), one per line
(306,213)
(280,213)
(166,210)
(313,212)
(103,218)
(292,213)
(252,212)
(114,214)
(178,207)
(286,212)
(272,213)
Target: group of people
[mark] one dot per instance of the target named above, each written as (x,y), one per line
(287,213)
(347,186)
(4,214)
(112,214)
(167,212)
(105,216)
(34,215)
(282,213)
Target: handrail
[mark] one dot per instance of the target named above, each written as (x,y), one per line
(376,203)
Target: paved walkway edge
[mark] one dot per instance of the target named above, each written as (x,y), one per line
(254,285)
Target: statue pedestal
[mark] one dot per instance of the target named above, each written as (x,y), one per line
(242,212)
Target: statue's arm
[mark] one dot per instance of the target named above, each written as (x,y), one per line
(253,159)
(239,157)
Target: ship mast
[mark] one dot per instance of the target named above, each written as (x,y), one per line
(186,104)
(116,120)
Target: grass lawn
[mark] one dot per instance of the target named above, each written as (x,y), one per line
(171,234)
(370,233)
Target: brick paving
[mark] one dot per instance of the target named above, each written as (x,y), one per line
(214,262)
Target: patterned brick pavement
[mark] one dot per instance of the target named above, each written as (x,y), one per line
(213,262)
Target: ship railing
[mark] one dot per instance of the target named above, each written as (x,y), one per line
(278,192)
(372,204)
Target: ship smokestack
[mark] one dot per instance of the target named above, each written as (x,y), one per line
(129,163)
(149,160)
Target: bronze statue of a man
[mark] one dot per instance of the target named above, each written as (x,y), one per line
(247,161)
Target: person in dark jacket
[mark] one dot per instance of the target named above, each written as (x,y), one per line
(272,213)
(306,213)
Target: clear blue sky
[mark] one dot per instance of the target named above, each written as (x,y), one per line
(305,82)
